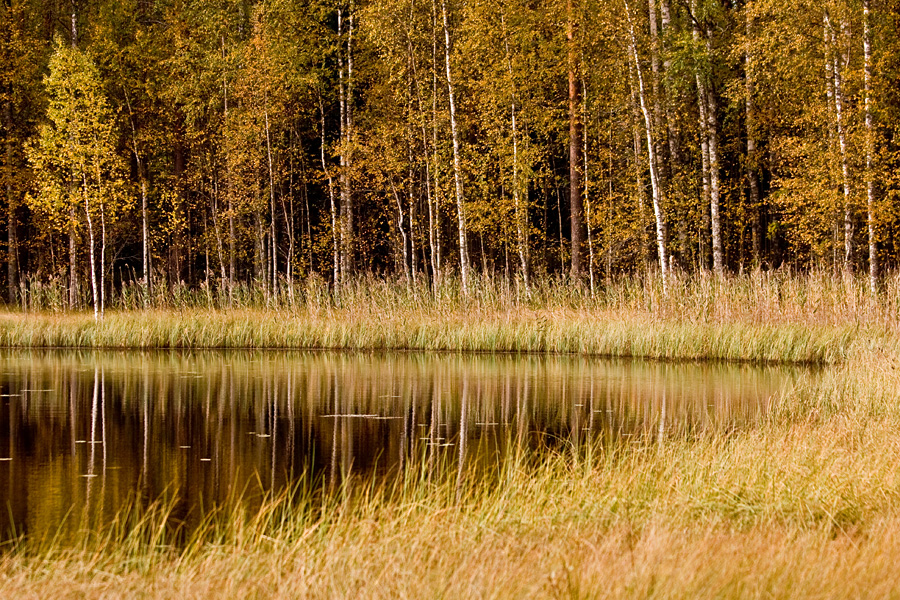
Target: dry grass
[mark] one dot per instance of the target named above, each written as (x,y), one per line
(805,506)
(760,317)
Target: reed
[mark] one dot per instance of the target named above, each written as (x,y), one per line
(819,296)
(764,317)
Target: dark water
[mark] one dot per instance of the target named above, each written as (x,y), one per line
(81,434)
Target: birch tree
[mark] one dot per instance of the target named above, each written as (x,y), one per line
(75,159)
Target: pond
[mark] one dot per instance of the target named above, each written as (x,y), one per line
(83,434)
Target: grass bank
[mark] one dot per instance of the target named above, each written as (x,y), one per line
(816,317)
(805,506)
(621,334)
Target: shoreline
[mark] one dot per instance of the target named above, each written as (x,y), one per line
(599,334)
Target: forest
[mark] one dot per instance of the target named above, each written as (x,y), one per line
(151,146)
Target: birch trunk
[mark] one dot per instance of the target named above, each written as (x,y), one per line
(639,180)
(429,195)
(145,226)
(587,199)
(102,259)
(703,111)
(403,238)
(228,190)
(708,107)
(93,259)
(214,209)
(521,217)
(457,176)
(334,225)
(657,114)
(870,148)
(274,242)
(752,160)
(436,222)
(651,159)
(704,156)
(73,267)
(665,17)
(345,94)
(712,130)
(837,60)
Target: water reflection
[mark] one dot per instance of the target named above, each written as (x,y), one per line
(82,433)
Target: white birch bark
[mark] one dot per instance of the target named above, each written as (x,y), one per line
(93,249)
(840,61)
(870,148)
(403,238)
(457,176)
(712,130)
(334,217)
(272,212)
(651,159)
(750,125)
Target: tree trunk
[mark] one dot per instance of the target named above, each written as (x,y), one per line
(73,266)
(671,119)
(145,227)
(336,268)
(708,107)
(228,190)
(102,258)
(457,175)
(842,140)
(639,179)
(576,194)
(214,209)
(704,156)
(712,130)
(93,251)
(434,143)
(346,95)
(403,240)
(587,200)
(12,222)
(272,212)
(752,160)
(651,159)
(520,212)
(870,148)
(659,127)
(145,237)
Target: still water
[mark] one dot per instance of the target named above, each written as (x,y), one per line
(83,433)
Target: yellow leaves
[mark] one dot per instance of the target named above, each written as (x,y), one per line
(74,155)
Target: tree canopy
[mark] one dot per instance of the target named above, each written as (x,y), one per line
(213,145)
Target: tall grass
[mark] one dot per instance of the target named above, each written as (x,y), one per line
(814,317)
(804,506)
(820,296)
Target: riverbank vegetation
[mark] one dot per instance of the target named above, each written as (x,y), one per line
(816,317)
(802,505)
